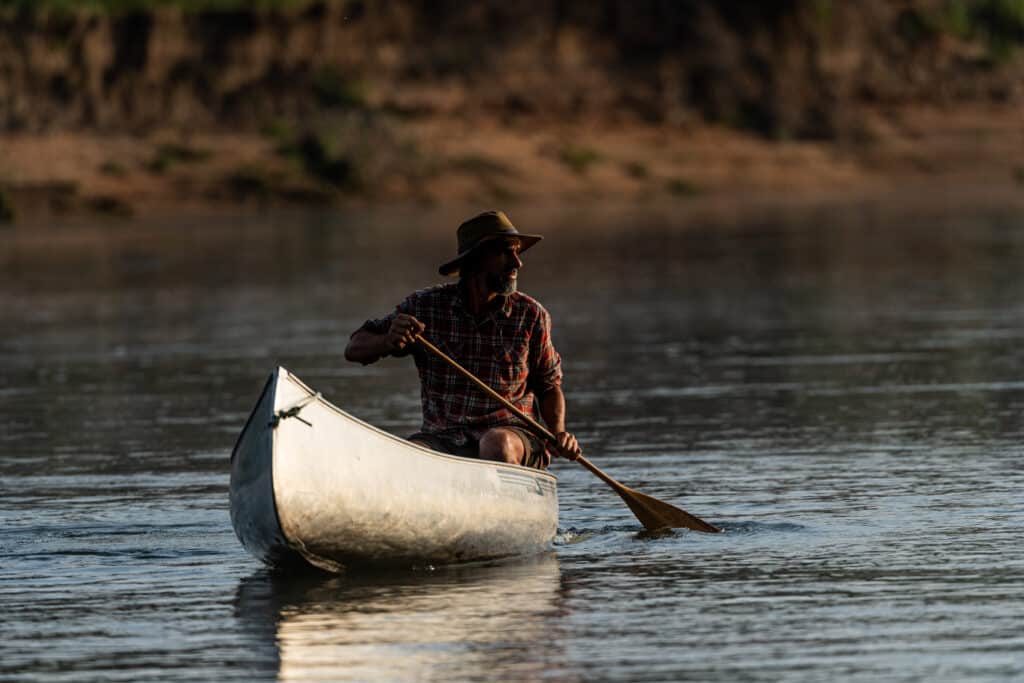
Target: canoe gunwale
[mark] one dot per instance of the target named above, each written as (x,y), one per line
(405,442)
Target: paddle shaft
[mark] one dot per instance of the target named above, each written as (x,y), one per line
(651,518)
(537,427)
(540,429)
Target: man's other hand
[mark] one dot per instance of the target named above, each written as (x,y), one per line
(566,446)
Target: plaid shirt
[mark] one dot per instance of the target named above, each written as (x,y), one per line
(508,347)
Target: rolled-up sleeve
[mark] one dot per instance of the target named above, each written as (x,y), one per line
(376,325)
(382,325)
(545,363)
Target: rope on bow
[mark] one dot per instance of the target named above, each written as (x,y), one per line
(294,411)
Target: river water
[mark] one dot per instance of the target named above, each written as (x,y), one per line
(840,387)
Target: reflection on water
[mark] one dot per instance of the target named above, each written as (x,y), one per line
(448,624)
(841,388)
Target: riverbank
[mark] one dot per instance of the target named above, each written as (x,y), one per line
(487,163)
(153,106)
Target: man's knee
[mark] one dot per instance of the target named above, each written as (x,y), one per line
(502,445)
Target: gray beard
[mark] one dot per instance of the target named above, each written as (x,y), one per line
(501,285)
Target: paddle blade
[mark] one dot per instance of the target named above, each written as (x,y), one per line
(657,514)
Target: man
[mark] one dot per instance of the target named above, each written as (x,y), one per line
(499,334)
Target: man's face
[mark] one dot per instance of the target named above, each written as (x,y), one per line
(500,264)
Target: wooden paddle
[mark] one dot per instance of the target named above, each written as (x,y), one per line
(652,513)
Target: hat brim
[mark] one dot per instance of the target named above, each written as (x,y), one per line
(525,242)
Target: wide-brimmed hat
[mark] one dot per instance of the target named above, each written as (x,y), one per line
(488,226)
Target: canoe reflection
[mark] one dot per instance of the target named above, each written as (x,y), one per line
(496,622)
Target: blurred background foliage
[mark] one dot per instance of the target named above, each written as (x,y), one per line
(122,6)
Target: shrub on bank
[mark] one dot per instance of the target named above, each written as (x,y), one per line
(682,188)
(578,158)
(333,90)
(6,208)
(169,154)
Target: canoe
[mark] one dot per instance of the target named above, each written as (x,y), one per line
(312,484)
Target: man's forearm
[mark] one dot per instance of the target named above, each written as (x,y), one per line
(366,347)
(552,409)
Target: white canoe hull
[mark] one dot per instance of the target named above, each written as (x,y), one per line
(328,489)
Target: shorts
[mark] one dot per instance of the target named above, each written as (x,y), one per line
(535,454)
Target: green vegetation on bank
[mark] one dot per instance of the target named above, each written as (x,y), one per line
(578,158)
(328,160)
(167,155)
(682,188)
(333,89)
(637,170)
(122,6)
(109,205)
(997,24)
(113,169)
(327,154)
(6,208)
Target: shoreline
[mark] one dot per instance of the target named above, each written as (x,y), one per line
(920,197)
(47,177)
